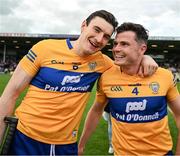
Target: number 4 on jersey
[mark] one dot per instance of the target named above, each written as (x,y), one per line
(135,91)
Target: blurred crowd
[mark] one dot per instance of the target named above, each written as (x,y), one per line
(8,66)
(174,68)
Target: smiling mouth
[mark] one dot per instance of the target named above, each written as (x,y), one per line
(94,44)
(119,56)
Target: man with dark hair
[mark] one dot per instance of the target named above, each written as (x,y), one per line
(139,107)
(60,75)
(105,15)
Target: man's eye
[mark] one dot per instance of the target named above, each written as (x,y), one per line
(97,30)
(115,44)
(107,37)
(124,43)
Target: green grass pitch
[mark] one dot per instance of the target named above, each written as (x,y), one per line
(98,143)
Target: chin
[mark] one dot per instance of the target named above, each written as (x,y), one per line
(117,63)
(90,52)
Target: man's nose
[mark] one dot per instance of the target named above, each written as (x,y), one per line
(99,38)
(116,48)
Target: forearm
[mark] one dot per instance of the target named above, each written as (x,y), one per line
(177,117)
(8,98)
(7,104)
(15,86)
(90,125)
(2,128)
(178,144)
(18,82)
(6,109)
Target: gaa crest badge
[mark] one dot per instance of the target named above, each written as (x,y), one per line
(154,86)
(92,65)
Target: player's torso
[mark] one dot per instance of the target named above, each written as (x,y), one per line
(58,93)
(139,112)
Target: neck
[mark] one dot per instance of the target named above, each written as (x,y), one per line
(132,69)
(77,48)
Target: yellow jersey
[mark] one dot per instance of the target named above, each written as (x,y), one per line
(138,108)
(62,81)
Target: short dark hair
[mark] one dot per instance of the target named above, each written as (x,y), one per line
(138,29)
(110,18)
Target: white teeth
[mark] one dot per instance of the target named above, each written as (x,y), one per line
(96,46)
(120,56)
(93,44)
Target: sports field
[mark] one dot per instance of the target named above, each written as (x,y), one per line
(98,144)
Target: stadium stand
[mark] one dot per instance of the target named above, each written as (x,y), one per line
(13,46)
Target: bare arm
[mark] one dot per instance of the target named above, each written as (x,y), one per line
(92,120)
(19,80)
(148,66)
(175,107)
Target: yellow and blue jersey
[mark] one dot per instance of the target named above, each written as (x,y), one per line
(138,108)
(62,81)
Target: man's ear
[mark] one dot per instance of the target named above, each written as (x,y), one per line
(143,48)
(83,25)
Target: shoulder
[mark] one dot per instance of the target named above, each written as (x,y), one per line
(102,60)
(48,44)
(113,70)
(164,74)
(108,61)
(50,41)
(163,71)
(107,58)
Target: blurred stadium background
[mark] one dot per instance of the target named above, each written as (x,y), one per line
(13,46)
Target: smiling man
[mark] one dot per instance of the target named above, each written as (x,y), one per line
(139,108)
